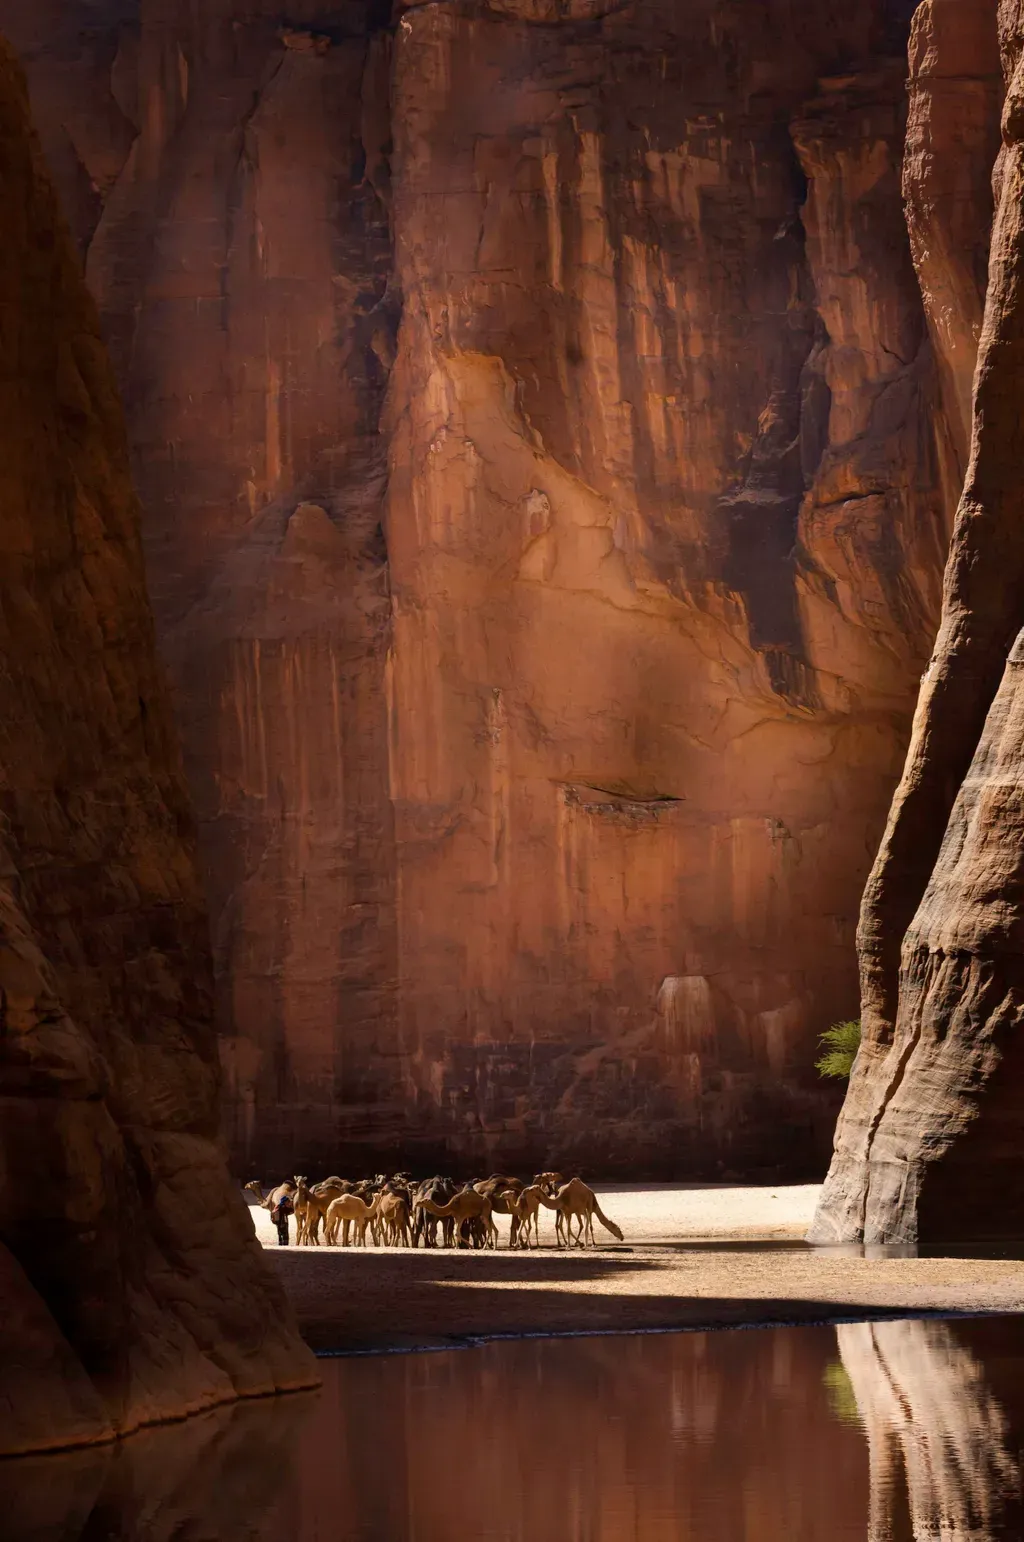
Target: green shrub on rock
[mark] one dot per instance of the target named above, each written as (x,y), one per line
(840,1043)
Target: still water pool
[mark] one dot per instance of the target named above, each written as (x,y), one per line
(882,1432)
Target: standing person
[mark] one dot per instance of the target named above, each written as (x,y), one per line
(279,1215)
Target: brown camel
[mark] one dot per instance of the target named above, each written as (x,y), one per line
(575,1201)
(466,1206)
(345,1210)
(495,1189)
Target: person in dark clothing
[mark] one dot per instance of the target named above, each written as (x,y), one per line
(279,1215)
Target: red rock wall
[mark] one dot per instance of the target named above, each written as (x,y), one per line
(133,1288)
(547,481)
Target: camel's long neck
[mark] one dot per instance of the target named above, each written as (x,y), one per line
(442,1210)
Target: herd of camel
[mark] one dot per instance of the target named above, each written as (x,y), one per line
(399,1212)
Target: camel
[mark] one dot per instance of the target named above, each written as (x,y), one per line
(393,1210)
(495,1189)
(311,1207)
(524,1208)
(550,1182)
(469,1206)
(342,1212)
(424,1225)
(575,1201)
(274,1198)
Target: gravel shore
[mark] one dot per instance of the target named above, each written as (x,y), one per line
(690,1259)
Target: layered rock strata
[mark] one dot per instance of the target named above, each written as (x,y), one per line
(928,1145)
(547,481)
(133,1289)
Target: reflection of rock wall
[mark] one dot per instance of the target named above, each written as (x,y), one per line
(221,1475)
(936,1433)
(930,1140)
(115,1208)
(537,830)
(720,1435)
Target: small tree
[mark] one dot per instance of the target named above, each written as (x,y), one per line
(840,1045)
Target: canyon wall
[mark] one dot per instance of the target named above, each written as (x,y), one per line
(132,1285)
(547,464)
(929,1143)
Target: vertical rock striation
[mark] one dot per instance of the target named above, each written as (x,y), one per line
(928,1145)
(664,539)
(547,478)
(132,1284)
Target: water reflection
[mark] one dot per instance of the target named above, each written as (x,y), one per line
(217,1476)
(938,1435)
(891,1432)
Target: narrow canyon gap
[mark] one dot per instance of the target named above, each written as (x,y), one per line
(547,464)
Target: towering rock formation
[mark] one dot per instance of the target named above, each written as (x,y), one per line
(133,1289)
(547,481)
(929,1143)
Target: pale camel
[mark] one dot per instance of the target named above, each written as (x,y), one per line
(310,1209)
(315,1202)
(575,1201)
(466,1206)
(524,1208)
(343,1212)
(394,1219)
(549,1181)
(274,1198)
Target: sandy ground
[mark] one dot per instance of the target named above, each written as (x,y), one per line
(688,1260)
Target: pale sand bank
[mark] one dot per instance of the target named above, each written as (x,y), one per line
(351,1299)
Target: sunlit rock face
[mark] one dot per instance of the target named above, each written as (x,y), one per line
(547,478)
(928,1146)
(132,1287)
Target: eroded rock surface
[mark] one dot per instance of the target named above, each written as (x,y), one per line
(132,1285)
(547,480)
(929,1143)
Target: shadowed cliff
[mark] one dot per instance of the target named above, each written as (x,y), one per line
(133,1289)
(928,1147)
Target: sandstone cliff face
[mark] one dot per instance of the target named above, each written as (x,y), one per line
(133,1289)
(547,481)
(929,1140)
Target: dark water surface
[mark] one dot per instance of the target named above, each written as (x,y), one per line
(880,1432)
